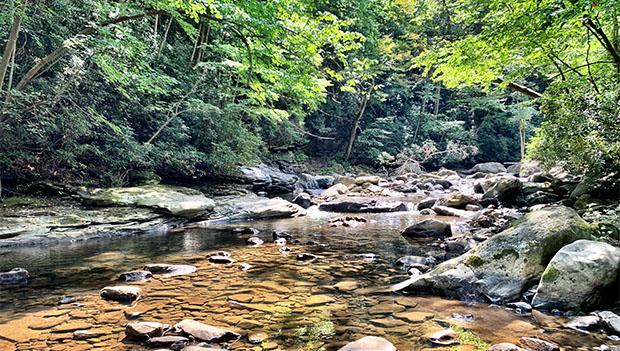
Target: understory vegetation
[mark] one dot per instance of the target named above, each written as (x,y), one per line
(105,91)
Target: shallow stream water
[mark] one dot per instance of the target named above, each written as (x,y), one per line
(319,305)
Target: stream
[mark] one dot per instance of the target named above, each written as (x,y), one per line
(318,305)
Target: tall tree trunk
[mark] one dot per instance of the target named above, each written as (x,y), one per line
(437,100)
(163,40)
(9,48)
(356,125)
(522,138)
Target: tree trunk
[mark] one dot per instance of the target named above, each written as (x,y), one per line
(437,100)
(9,48)
(356,125)
(163,40)
(522,138)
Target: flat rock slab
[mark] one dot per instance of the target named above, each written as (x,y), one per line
(175,200)
(206,332)
(362,205)
(253,208)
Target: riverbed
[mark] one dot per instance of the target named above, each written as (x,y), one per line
(298,305)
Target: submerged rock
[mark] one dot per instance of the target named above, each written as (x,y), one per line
(176,342)
(121,293)
(535,344)
(505,346)
(14,276)
(175,200)
(369,343)
(145,330)
(170,270)
(428,227)
(135,276)
(221,259)
(580,276)
(360,205)
(206,332)
(502,267)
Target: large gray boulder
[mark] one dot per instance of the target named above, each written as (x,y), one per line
(487,167)
(579,276)
(266,178)
(14,276)
(358,205)
(175,200)
(505,265)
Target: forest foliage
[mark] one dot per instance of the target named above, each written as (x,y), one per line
(104,91)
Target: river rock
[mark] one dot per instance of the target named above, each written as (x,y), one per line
(457,200)
(367,179)
(444,337)
(221,259)
(369,343)
(505,346)
(175,200)
(428,227)
(506,189)
(246,230)
(304,200)
(429,202)
(502,267)
(528,168)
(453,212)
(257,208)
(170,270)
(255,241)
(135,276)
(122,293)
(611,321)
(487,167)
(534,344)
(145,330)
(579,276)
(360,205)
(334,191)
(175,342)
(206,332)
(266,178)
(304,256)
(14,276)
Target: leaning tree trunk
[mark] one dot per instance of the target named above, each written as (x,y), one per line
(356,125)
(9,49)
(522,138)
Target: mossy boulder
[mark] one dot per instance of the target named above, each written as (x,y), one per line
(175,200)
(501,268)
(579,277)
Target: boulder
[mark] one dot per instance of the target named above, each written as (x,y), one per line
(505,346)
(304,200)
(335,191)
(255,241)
(206,332)
(428,227)
(14,276)
(514,169)
(487,167)
(346,181)
(121,293)
(175,200)
(579,276)
(506,189)
(457,200)
(171,341)
(170,270)
(528,168)
(454,212)
(358,205)
(367,179)
(145,330)
(265,178)
(505,265)
(429,202)
(135,276)
(369,343)
(257,208)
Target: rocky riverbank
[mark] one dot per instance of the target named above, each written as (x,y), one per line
(511,237)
